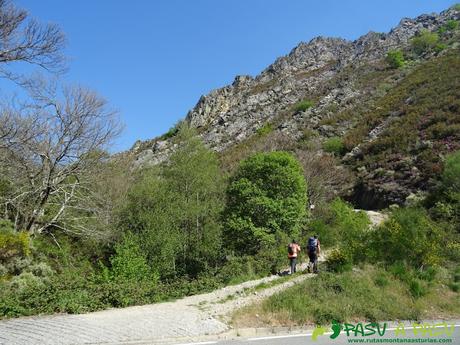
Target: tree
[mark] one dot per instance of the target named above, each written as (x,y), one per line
(175,209)
(325,175)
(25,40)
(57,139)
(266,201)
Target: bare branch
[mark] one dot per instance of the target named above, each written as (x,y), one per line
(48,148)
(25,40)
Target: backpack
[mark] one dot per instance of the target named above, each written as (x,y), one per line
(312,244)
(290,249)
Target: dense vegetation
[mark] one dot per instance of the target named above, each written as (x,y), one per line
(406,268)
(167,236)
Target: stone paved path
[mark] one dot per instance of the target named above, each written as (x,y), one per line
(189,317)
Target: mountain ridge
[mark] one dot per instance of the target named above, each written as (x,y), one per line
(325,71)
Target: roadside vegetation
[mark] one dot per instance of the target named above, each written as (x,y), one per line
(406,268)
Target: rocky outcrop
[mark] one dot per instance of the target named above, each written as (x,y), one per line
(311,71)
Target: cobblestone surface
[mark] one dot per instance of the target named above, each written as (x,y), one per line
(190,317)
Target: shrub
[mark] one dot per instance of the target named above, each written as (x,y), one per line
(451,175)
(237,268)
(455,287)
(395,58)
(401,271)
(341,225)
(456,7)
(417,288)
(452,25)
(334,145)
(42,270)
(172,132)
(425,41)
(129,263)
(427,274)
(12,244)
(265,129)
(440,47)
(24,281)
(381,279)
(409,235)
(338,261)
(302,106)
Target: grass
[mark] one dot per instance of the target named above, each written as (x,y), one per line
(368,294)
(303,105)
(260,286)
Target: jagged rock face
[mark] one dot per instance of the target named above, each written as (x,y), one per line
(232,114)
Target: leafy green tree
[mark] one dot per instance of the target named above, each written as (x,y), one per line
(194,179)
(266,202)
(176,208)
(395,58)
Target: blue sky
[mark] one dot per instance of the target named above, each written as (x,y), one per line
(153,59)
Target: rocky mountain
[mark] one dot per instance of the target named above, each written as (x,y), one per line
(331,90)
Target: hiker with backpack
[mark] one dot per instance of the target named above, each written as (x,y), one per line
(313,250)
(293,250)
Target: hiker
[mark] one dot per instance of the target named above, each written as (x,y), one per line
(313,250)
(293,250)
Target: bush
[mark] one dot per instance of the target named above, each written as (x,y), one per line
(451,175)
(265,129)
(409,235)
(334,145)
(341,225)
(12,244)
(417,288)
(452,25)
(236,269)
(381,279)
(172,132)
(129,263)
(424,42)
(337,261)
(455,287)
(395,58)
(302,106)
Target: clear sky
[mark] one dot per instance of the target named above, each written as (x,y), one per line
(153,59)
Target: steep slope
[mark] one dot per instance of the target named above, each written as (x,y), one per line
(330,87)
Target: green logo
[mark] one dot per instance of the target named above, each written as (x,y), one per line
(374,328)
